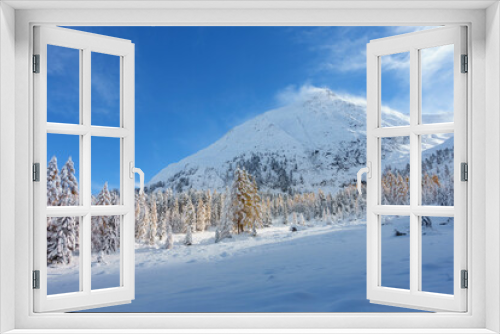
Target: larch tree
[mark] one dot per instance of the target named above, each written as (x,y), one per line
(240,195)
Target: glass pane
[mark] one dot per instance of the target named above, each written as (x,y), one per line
(395,168)
(63,153)
(105,90)
(395,89)
(63,85)
(437,254)
(437,84)
(437,169)
(395,262)
(105,252)
(105,171)
(63,264)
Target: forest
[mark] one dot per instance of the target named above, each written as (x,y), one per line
(241,208)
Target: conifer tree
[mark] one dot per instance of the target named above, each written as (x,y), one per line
(69,182)
(200,216)
(138,221)
(153,221)
(105,232)
(176,217)
(61,236)
(239,196)
(188,241)
(161,208)
(144,218)
(302,221)
(170,238)
(226,225)
(53,183)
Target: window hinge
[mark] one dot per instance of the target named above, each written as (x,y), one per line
(36,63)
(464,167)
(36,172)
(465,64)
(36,279)
(465,279)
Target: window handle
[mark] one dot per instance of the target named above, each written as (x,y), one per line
(368,171)
(134,170)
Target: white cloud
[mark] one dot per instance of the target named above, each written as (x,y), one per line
(293,94)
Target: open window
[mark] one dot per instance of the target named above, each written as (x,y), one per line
(416,198)
(65,110)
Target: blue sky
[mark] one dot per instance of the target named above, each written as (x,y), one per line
(193,84)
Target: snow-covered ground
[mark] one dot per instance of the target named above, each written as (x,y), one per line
(320,268)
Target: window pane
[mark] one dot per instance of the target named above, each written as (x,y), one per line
(437,254)
(63,153)
(63,265)
(105,252)
(105,90)
(437,75)
(437,169)
(63,85)
(395,89)
(395,168)
(105,171)
(395,262)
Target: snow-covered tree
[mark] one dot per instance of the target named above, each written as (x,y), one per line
(188,241)
(162,216)
(153,225)
(53,183)
(170,238)
(302,221)
(200,216)
(144,218)
(69,182)
(240,194)
(226,225)
(105,229)
(177,222)
(189,215)
(61,236)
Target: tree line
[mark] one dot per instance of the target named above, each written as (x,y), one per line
(241,208)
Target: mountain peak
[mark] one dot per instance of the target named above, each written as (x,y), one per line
(316,141)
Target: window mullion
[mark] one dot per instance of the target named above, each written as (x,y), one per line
(85,177)
(414,170)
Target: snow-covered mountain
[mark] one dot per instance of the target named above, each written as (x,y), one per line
(319,141)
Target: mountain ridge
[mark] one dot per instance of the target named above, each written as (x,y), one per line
(318,141)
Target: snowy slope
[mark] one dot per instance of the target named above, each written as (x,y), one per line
(319,269)
(318,141)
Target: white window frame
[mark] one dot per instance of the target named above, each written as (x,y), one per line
(484,49)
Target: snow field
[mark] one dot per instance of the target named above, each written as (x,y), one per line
(319,269)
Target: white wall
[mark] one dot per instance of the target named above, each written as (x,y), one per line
(492,165)
(7,160)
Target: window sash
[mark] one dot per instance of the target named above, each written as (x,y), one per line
(414,298)
(86,43)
